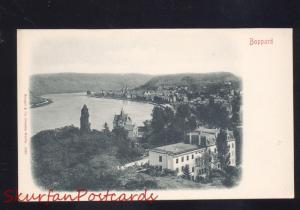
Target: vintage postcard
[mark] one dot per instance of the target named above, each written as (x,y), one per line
(155,114)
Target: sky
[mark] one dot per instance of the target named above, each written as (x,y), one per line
(151,51)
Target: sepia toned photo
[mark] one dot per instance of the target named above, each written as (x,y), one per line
(129,110)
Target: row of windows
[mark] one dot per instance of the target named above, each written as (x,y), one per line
(182,168)
(215,151)
(182,158)
(192,156)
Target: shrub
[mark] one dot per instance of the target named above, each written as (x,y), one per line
(232,175)
(232,171)
(228,181)
(140,184)
(168,172)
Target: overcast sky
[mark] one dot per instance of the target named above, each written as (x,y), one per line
(131,51)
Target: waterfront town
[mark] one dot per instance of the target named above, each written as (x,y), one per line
(165,94)
(197,153)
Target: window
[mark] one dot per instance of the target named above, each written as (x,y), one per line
(193,169)
(177,170)
(176,160)
(182,168)
(192,156)
(187,157)
(215,150)
(208,151)
(160,158)
(182,159)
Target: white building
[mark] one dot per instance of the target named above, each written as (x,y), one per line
(194,154)
(176,157)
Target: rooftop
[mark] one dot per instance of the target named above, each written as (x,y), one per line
(174,149)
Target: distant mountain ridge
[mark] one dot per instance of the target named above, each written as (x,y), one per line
(41,84)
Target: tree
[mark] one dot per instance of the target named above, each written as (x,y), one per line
(186,172)
(236,104)
(84,120)
(161,117)
(237,132)
(183,111)
(201,113)
(207,159)
(184,121)
(192,123)
(218,116)
(161,122)
(106,130)
(120,135)
(222,147)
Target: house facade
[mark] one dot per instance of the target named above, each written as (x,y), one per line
(198,154)
(176,157)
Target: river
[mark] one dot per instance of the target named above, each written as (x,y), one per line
(65,110)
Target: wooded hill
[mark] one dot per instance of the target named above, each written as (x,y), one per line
(41,84)
(193,81)
(76,82)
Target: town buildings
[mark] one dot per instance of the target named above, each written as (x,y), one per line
(198,154)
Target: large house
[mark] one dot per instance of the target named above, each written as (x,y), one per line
(198,154)
(122,120)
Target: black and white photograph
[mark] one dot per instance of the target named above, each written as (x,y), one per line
(129,110)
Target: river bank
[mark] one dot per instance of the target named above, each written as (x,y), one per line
(127,99)
(44,103)
(65,110)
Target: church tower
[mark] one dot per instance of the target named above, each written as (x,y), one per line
(84,120)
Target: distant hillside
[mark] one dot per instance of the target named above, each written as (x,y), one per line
(75,82)
(193,81)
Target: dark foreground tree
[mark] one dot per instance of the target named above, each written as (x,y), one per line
(223,150)
(186,172)
(161,121)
